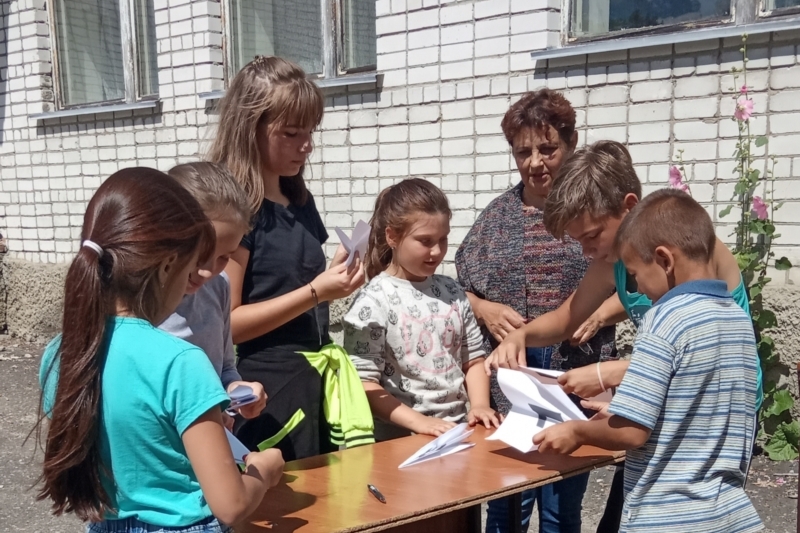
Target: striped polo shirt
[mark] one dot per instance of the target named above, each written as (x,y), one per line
(692,382)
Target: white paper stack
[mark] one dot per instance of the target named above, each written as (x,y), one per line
(537,402)
(450,442)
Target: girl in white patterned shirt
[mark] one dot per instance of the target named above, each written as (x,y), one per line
(410,332)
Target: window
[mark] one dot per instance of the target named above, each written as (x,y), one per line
(328,39)
(603,18)
(94,44)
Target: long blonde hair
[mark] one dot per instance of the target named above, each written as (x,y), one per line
(268,90)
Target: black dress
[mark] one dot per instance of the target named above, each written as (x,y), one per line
(285,247)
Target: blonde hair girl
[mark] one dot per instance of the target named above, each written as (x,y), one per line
(280,287)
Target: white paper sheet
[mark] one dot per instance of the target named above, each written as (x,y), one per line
(537,402)
(238,449)
(357,242)
(450,442)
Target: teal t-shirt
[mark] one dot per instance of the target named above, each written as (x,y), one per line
(154,386)
(637,304)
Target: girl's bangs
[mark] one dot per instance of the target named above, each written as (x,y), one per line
(299,103)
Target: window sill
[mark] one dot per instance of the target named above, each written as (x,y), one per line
(326,83)
(94,109)
(642,41)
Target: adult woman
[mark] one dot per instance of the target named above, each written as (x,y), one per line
(279,284)
(514,271)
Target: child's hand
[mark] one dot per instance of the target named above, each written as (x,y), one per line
(600,407)
(483,415)
(269,464)
(587,330)
(510,353)
(339,257)
(560,438)
(581,381)
(227,421)
(254,409)
(428,425)
(339,281)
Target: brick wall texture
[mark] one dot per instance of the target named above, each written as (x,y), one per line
(449,70)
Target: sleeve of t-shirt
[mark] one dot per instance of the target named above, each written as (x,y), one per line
(365,336)
(640,397)
(229,372)
(248,240)
(192,388)
(48,375)
(472,343)
(322,233)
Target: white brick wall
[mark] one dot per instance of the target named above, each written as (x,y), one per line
(450,69)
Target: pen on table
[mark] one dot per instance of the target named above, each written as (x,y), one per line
(375,492)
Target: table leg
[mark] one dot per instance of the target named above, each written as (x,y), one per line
(474,519)
(515,513)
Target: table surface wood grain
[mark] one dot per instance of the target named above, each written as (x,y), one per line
(328,493)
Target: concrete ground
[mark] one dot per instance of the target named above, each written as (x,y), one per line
(772,486)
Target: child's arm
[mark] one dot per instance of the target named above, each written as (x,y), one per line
(555,326)
(585,381)
(253,320)
(607,432)
(389,408)
(477,383)
(232,496)
(610,313)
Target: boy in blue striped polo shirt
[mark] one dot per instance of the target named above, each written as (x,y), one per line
(685,408)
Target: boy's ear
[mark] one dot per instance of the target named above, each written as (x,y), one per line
(630,201)
(664,258)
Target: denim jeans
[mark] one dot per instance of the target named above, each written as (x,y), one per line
(559,503)
(133,525)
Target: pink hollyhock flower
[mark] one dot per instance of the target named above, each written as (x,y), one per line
(744,109)
(743,90)
(759,208)
(676,179)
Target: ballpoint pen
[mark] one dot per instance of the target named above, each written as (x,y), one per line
(375,492)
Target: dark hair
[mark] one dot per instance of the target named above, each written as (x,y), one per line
(139,217)
(213,186)
(396,208)
(668,217)
(538,109)
(594,180)
(268,90)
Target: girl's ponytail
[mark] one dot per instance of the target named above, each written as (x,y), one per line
(396,208)
(137,219)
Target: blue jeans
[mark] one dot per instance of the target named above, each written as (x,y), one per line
(133,525)
(559,503)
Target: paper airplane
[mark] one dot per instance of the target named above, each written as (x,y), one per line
(355,243)
(537,402)
(239,450)
(445,444)
(240,396)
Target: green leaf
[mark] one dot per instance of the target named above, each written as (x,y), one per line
(761,141)
(754,175)
(783,264)
(781,402)
(766,319)
(741,188)
(755,291)
(783,444)
(725,212)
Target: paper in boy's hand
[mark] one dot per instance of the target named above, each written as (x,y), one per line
(355,243)
(239,450)
(241,396)
(445,444)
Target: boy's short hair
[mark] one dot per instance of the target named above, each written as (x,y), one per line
(668,217)
(217,192)
(594,180)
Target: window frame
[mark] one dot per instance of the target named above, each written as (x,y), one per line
(130,65)
(333,73)
(743,12)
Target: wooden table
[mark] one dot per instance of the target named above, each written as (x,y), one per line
(328,493)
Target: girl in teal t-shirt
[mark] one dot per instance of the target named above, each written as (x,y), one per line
(135,439)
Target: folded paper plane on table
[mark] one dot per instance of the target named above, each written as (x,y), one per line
(445,444)
(537,402)
(355,243)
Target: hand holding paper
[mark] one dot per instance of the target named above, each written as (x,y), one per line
(355,243)
(450,442)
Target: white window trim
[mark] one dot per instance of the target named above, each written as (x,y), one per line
(131,100)
(748,18)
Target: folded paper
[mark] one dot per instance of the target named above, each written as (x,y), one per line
(356,242)
(445,444)
(238,449)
